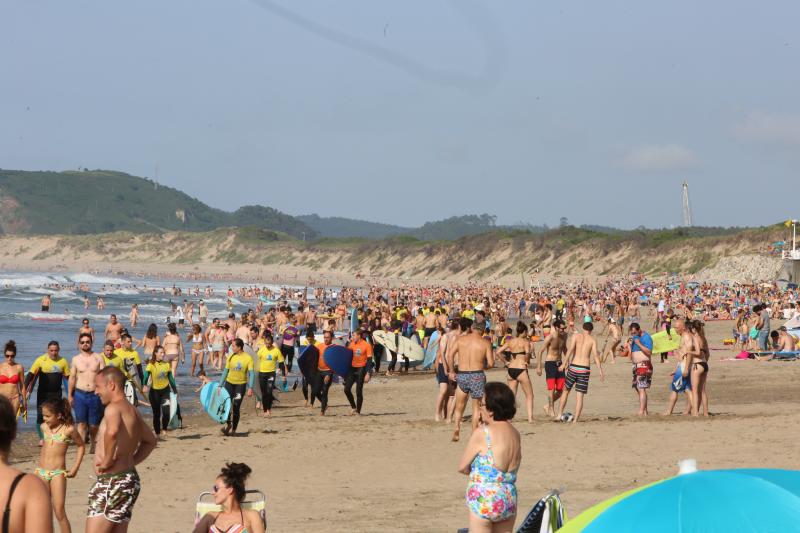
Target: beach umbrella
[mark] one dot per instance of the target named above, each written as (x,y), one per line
(762,500)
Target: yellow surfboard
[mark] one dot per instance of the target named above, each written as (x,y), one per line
(665,343)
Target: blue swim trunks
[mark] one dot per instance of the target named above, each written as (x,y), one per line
(88,408)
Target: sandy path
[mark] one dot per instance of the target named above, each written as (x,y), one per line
(394,469)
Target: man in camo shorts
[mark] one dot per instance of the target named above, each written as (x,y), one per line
(114,494)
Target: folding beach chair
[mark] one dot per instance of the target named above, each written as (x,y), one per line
(253,499)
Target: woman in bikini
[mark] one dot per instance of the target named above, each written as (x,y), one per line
(173,348)
(491,461)
(150,341)
(229,492)
(699,369)
(518,352)
(199,345)
(12,379)
(59,432)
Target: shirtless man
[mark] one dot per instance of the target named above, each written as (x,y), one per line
(125,441)
(581,351)
(203,312)
(113,329)
(215,339)
(82,398)
(443,371)
(429,323)
(615,335)
(555,345)
(474,355)
(681,381)
(46,303)
(419,324)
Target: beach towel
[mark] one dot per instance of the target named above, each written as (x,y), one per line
(547,516)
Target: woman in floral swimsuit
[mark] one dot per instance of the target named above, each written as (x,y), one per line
(491,461)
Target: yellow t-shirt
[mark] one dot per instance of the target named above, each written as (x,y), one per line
(160,371)
(238,365)
(268,359)
(131,354)
(116,361)
(47,366)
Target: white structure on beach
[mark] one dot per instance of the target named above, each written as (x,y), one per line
(687,210)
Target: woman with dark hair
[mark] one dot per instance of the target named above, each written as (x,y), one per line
(149,341)
(229,492)
(12,379)
(491,461)
(23,497)
(173,348)
(158,381)
(518,355)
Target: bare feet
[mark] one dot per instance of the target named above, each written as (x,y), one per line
(353,412)
(455,436)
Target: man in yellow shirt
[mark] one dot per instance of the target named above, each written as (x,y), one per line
(236,378)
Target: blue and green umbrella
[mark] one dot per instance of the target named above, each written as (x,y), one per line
(758,500)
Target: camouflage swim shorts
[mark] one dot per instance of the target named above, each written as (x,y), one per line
(114,495)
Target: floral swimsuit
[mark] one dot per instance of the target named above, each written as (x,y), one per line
(491,494)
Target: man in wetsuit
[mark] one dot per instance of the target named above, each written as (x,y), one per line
(359,369)
(324,373)
(474,355)
(288,340)
(53,373)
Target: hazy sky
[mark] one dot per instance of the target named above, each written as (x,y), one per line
(415,110)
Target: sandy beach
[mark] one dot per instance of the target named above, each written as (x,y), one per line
(394,468)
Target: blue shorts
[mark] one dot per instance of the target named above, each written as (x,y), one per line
(88,407)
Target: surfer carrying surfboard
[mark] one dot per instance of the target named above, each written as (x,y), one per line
(236,379)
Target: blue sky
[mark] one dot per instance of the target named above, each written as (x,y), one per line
(404,112)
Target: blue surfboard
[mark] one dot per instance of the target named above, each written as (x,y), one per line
(339,359)
(353,320)
(430,351)
(308,361)
(216,402)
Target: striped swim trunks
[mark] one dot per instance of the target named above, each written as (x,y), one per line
(578,377)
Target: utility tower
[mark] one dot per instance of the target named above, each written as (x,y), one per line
(687,210)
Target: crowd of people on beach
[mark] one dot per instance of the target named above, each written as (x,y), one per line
(551,329)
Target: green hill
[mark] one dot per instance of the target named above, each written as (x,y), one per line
(100,201)
(342,228)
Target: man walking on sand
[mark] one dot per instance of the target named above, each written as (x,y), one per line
(582,350)
(555,345)
(124,442)
(474,354)
(86,404)
(640,346)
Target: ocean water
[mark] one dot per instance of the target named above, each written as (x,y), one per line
(20,311)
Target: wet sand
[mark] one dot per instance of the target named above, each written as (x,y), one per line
(394,468)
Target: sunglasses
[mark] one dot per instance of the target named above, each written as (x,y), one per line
(86,342)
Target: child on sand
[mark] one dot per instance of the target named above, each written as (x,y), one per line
(59,432)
